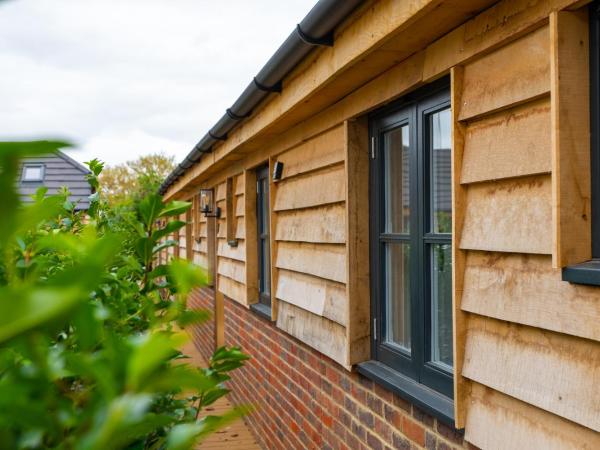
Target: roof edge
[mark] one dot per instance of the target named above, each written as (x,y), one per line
(316,29)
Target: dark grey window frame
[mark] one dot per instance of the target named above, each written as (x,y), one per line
(412,377)
(589,271)
(263,306)
(35,165)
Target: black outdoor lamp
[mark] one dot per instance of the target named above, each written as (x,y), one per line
(207,203)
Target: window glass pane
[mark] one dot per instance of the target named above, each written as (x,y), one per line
(32,173)
(441,304)
(441,190)
(396,160)
(266,267)
(397,286)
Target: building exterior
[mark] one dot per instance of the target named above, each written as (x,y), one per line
(402,228)
(55,171)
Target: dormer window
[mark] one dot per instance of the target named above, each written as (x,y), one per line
(33,172)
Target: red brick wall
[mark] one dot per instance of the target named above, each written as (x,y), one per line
(304,400)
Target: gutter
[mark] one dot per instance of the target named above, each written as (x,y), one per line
(315,29)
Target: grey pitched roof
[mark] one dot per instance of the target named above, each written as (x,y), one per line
(59,171)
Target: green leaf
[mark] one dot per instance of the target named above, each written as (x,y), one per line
(169,228)
(163,245)
(214,395)
(186,275)
(175,208)
(151,352)
(184,436)
(22,309)
(144,249)
(150,209)
(110,427)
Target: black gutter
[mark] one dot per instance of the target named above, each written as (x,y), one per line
(314,30)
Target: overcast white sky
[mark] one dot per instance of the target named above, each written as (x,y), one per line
(124,78)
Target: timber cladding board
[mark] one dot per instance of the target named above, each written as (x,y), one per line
(511,75)
(326,224)
(201,260)
(553,371)
(232,289)
(318,296)
(323,187)
(511,143)
(239,206)
(322,334)
(238,253)
(513,215)
(232,269)
(518,425)
(326,261)
(321,151)
(526,289)
(221,192)
(239,184)
(240,228)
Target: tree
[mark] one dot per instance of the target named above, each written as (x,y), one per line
(133,180)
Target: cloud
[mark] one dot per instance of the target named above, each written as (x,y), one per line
(124,78)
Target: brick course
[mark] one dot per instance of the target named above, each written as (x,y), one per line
(304,400)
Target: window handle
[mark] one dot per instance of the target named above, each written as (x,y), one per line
(372,147)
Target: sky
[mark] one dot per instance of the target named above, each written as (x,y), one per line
(123,78)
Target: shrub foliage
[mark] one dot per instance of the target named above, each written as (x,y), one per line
(91,329)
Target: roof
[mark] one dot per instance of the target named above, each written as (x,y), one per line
(316,29)
(58,170)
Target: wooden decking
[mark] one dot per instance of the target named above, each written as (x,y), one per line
(236,436)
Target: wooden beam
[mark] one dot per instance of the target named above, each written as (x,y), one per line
(459,195)
(251,236)
(358,329)
(273,247)
(571,191)
(189,241)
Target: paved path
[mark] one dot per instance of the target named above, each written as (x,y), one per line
(236,436)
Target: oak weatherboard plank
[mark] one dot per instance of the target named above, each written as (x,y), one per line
(512,143)
(513,215)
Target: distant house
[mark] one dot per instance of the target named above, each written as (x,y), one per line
(55,171)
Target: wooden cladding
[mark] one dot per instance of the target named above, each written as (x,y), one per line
(508,144)
(524,338)
(511,75)
(510,216)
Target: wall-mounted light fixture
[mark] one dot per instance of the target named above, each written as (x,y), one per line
(277,170)
(207,203)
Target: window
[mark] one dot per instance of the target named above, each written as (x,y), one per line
(263,238)
(33,172)
(411,239)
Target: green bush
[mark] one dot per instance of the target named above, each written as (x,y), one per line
(90,329)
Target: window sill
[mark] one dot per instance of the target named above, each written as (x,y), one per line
(430,401)
(584,273)
(262,310)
